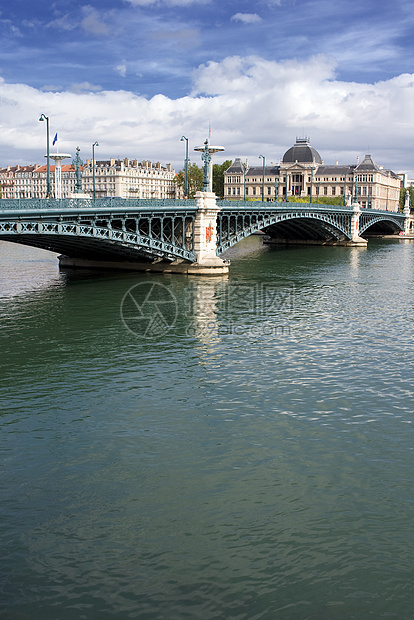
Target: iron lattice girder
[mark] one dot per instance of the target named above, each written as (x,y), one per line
(334,221)
(165,229)
(370,217)
(165,234)
(238,220)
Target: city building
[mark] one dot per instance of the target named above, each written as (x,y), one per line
(301,173)
(122,178)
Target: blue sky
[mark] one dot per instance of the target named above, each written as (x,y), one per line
(137,74)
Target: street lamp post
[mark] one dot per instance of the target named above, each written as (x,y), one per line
(263,180)
(93,169)
(276,189)
(311,187)
(185,166)
(43,117)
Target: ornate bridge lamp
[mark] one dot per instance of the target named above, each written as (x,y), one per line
(93,169)
(207,150)
(185,166)
(43,117)
(77,162)
(263,180)
(276,189)
(317,193)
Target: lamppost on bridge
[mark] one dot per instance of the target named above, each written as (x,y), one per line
(93,169)
(244,181)
(185,166)
(77,162)
(263,180)
(207,151)
(276,189)
(311,185)
(317,193)
(43,117)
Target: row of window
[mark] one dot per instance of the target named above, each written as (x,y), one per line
(298,178)
(269,190)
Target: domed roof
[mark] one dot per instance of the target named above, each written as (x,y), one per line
(302,152)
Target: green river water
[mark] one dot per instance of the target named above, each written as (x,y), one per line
(209,448)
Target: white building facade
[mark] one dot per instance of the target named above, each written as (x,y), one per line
(118,178)
(302,174)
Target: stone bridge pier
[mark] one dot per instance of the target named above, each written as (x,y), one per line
(205,238)
(355,238)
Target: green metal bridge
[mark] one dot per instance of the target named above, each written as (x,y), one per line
(169,230)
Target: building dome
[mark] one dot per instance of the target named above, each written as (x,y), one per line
(302,152)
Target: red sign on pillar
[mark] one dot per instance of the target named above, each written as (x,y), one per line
(209,233)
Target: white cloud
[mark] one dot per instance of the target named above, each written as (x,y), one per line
(246,18)
(84,87)
(121,69)
(254,105)
(63,23)
(92,21)
(167,2)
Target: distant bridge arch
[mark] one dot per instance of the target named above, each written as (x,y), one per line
(301,222)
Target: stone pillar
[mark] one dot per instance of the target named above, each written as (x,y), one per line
(205,237)
(407,213)
(355,238)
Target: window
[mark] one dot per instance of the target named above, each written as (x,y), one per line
(254,191)
(325,191)
(333,191)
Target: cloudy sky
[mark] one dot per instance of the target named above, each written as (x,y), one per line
(136,75)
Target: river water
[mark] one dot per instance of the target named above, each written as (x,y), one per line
(209,448)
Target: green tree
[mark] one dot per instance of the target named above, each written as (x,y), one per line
(402,197)
(334,200)
(218,177)
(195,179)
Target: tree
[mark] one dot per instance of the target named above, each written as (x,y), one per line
(218,177)
(402,197)
(195,179)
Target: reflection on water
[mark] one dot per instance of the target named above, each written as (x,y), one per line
(252,462)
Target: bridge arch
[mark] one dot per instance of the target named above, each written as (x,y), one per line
(302,222)
(380,223)
(107,235)
(283,220)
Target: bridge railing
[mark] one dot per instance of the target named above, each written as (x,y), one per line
(259,205)
(262,204)
(22,204)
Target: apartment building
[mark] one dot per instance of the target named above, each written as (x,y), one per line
(122,178)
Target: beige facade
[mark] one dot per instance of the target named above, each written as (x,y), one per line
(301,173)
(118,178)
(129,179)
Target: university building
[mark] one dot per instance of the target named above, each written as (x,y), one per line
(302,173)
(119,178)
